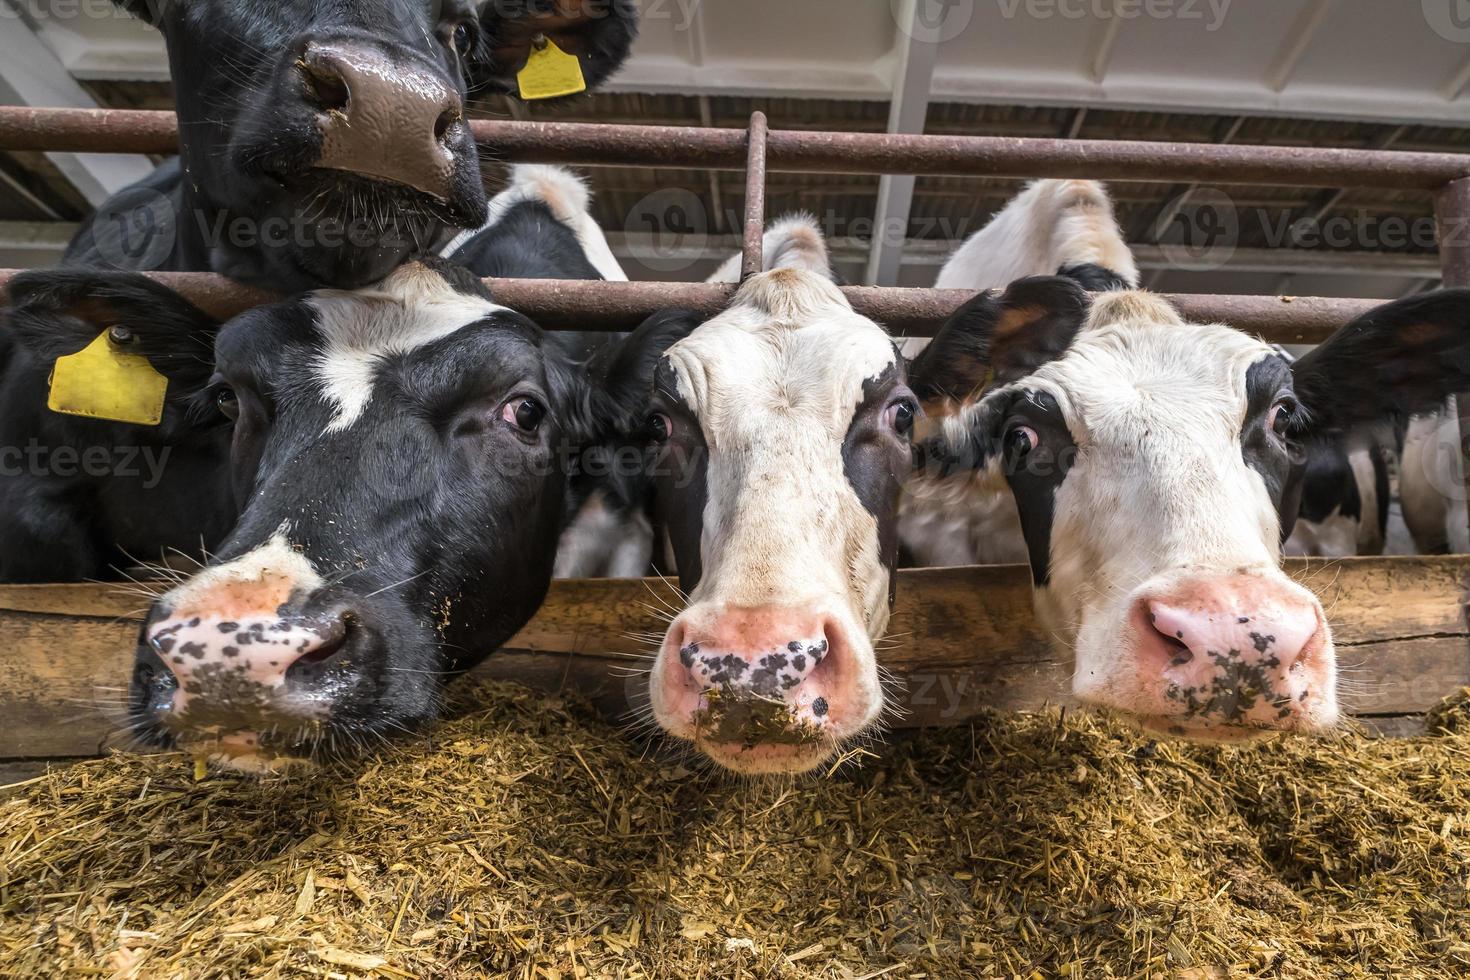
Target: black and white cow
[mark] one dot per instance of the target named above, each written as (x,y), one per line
(1156,463)
(1345,502)
(1049,226)
(779,439)
(402,456)
(85,498)
(324,143)
(1432,483)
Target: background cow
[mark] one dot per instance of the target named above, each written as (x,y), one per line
(1051,225)
(402,455)
(84,497)
(1156,463)
(1432,484)
(325,143)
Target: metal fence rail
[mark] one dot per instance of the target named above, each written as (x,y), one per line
(619,306)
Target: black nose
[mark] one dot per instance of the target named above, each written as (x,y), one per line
(383,117)
(334,663)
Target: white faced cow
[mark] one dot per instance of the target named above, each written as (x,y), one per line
(780,438)
(1155,464)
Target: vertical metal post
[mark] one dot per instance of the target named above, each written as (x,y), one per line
(752,253)
(1452,218)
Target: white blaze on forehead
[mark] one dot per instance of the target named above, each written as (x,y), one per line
(775,382)
(413,307)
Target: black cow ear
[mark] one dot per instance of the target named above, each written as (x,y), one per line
(59,312)
(605,399)
(998,338)
(148,11)
(623,372)
(1398,360)
(599,32)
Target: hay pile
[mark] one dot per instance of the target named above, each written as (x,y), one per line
(533,841)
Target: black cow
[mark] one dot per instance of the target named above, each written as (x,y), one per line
(403,455)
(324,143)
(85,497)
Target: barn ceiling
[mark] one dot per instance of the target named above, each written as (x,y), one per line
(1349,73)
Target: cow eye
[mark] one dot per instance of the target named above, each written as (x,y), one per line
(900,417)
(659,427)
(226,401)
(525,414)
(464,40)
(1283,416)
(1021,441)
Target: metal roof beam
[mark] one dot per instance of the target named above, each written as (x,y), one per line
(918,50)
(31,75)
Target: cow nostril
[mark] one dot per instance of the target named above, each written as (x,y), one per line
(447,120)
(325,86)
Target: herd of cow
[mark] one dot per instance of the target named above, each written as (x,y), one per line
(378,477)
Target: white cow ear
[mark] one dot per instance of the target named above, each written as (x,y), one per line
(1401,359)
(996,339)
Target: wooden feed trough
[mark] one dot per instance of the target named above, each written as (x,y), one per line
(964,640)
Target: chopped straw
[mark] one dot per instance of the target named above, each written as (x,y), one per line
(532,840)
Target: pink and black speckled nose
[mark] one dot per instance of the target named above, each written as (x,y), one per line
(246,659)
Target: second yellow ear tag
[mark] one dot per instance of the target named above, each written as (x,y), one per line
(102,382)
(550,72)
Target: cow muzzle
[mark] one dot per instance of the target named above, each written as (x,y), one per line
(765,689)
(1225,657)
(399,123)
(250,688)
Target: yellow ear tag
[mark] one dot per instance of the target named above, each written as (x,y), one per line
(550,72)
(102,382)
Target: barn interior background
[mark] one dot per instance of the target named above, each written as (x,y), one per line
(1325,73)
(1029,857)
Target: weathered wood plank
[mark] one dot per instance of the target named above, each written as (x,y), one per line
(962,640)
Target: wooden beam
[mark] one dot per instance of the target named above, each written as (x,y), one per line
(963,640)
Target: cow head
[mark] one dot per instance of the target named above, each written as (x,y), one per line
(96,496)
(780,438)
(1157,467)
(401,455)
(324,143)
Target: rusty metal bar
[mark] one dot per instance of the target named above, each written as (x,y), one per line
(1452,223)
(143,131)
(752,251)
(597,306)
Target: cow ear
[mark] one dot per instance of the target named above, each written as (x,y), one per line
(1398,360)
(599,33)
(623,372)
(148,11)
(996,339)
(59,312)
(605,400)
